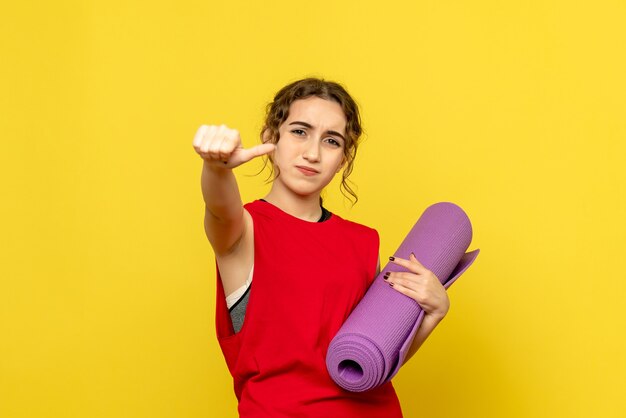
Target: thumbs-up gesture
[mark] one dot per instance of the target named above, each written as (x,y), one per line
(221,146)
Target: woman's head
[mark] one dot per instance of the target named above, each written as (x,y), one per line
(278,112)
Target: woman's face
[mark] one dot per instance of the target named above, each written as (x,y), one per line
(310,149)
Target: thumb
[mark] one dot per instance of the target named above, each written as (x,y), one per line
(243,155)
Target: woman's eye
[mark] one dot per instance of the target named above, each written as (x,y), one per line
(298,132)
(333,142)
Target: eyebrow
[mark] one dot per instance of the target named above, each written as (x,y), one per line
(308,125)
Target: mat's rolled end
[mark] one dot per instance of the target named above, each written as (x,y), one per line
(350,370)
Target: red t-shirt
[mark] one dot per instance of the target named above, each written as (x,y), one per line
(308,277)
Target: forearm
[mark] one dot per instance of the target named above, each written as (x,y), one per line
(426,328)
(221,192)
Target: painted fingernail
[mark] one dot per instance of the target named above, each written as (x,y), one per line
(392,258)
(391,284)
(413,255)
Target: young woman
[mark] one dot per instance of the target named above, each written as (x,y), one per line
(289,272)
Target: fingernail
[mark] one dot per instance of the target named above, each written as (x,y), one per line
(391,284)
(413,255)
(392,258)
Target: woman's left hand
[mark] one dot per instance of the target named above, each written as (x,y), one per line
(421,285)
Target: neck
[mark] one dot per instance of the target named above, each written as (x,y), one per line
(304,207)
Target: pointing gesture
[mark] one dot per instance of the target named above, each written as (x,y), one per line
(222,146)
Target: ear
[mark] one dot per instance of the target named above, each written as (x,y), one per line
(266,135)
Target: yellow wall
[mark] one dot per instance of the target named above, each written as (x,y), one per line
(514,110)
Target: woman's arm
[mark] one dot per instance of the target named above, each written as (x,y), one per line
(223,214)
(426,328)
(221,150)
(226,224)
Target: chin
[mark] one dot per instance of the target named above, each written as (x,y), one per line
(305,191)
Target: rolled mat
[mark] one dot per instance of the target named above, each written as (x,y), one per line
(372,344)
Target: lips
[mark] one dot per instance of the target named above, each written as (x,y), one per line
(307,171)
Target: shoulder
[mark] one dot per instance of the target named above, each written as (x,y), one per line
(365,241)
(253,205)
(256,208)
(352,224)
(357,228)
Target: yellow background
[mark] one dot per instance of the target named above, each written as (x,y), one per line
(516,111)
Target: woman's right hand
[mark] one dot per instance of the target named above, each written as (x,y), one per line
(221,146)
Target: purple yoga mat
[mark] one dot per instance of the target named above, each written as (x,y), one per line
(372,344)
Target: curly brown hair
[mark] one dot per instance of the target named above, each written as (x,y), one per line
(277,112)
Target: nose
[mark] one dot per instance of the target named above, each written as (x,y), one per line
(312,151)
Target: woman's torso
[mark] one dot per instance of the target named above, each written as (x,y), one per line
(308,277)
